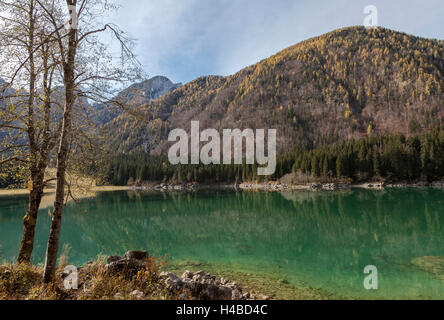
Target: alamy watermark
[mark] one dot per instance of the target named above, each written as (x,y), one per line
(73,22)
(71,279)
(371,281)
(210,153)
(371,20)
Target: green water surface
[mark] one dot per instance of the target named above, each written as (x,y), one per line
(321,239)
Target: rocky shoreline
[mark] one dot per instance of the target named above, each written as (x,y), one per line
(276,186)
(189,286)
(134,276)
(204,286)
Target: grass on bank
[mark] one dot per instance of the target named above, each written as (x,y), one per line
(49,194)
(18,192)
(80,186)
(24,282)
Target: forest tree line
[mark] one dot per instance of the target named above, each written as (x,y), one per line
(391,157)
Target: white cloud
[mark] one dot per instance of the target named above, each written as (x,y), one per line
(183,39)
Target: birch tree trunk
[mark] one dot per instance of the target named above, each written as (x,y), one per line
(62,156)
(38,167)
(88,74)
(30,219)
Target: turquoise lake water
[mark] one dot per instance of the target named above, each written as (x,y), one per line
(321,239)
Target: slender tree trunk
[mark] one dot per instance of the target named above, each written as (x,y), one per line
(30,220)
(35,196)
(36,193)
(56,223)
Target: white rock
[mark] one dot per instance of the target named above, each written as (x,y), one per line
(137,294)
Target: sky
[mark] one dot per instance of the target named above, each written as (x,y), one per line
(186,39)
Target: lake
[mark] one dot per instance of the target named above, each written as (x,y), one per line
(320,239)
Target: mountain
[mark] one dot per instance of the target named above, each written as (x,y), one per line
(349,83)
(135,96)
(150,89)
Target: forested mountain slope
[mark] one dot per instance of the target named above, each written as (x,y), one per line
(350,83)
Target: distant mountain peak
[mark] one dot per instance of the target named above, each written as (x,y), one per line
(149,89)
(138,94)
(160,79)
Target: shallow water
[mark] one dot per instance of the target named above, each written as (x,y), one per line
(323,240)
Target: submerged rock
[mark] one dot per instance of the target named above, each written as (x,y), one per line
(432,265)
